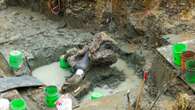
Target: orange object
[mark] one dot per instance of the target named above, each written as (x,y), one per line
(185,56)
(55,7)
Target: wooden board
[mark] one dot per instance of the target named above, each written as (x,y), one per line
(18,82)
(5,70)
(174,38)
(166,52)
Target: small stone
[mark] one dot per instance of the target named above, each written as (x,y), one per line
(15,13)
(3,4)
(68,11)
(31,17)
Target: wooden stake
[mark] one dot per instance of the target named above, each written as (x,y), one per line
(128,102)
(140,95)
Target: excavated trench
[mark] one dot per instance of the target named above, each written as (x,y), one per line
(44,40)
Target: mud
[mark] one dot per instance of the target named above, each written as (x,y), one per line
(118,78)
(43,40)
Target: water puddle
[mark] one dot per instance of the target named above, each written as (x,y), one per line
(131,82)
(51,74)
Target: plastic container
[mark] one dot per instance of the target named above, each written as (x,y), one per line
(51,96)
(15,59)
(96,95)
(4,104)
(190,71)
(18,104)
(64,103)
(64,63)
(186,56)
(178,49)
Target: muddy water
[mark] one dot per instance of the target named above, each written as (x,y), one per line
(131,83)
(51,74)
(132,80)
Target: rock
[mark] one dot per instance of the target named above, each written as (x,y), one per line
(15,13)
(131,31)
(12,2)
(105,57)
(35,5)
(101,51)
(138,58)
(3,4)
(10,94)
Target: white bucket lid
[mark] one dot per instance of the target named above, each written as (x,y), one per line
(4,104)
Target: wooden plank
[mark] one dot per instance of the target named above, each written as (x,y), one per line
(18,82)
(174,38)
(5,70)
(166,52)
(32,105)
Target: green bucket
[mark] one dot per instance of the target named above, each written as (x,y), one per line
(18,104)
(51,96)
(178,49)
(96,95)
(64,63)
(190,71)
(15,59)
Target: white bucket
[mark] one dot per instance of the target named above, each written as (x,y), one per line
(64,103)
(4,104)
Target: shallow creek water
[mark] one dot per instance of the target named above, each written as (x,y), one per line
(52,74)
(131,82)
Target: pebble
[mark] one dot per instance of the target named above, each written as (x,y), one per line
(3,4)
